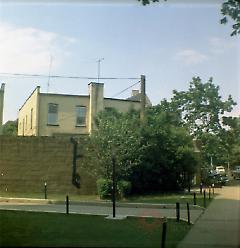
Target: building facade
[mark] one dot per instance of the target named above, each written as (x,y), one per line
(45,114)
(1,105)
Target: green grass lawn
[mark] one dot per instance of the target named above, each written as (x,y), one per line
(51,229)
(171,198)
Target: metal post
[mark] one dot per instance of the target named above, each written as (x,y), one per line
(204,198)
(178,211)
(143,96)
(67,204)
(45,190)
(194,199)
(114,185)
(189,183)
(75,175)
(74,161)
(213,189)
(201,186)
(164,233)
(188,213)
(209,193)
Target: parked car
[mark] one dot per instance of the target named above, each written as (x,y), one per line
(217,179)
(220,170)
(236,172)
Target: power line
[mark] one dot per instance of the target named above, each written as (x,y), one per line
(63,76)
(126,89)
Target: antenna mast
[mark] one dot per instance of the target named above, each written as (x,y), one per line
(99,61)
(50,67)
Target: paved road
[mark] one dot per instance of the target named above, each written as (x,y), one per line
(102,210)
(219,226)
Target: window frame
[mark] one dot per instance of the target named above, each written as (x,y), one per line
(49,122)
(83,124)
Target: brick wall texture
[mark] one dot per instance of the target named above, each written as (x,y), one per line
(27,162)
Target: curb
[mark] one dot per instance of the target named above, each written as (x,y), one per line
(100,204)
(24,200)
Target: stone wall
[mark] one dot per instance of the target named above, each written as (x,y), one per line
(27,162)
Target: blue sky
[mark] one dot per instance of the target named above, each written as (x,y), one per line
(169,43)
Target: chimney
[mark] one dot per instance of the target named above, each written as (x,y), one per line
(135,92)
(96,102)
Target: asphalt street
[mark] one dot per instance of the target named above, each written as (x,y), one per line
(104,210)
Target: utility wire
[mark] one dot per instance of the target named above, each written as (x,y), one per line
(126,89)
(62,76)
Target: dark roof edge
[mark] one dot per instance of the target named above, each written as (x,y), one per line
(38,87)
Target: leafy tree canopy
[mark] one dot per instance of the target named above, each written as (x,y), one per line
(201,107)
(154,155)
(231,9)
(117,135)
(10,128)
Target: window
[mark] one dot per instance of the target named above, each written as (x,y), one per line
(80,115)
(52,114)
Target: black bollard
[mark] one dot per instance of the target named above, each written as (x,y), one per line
(213,189)
(201,187)
(67,204)
(164,234)
(194,199)
(188,213)
(178,211)
(209,193)
(204,198)
(45,190)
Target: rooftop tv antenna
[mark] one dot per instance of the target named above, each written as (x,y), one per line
(99,64)
(49,72)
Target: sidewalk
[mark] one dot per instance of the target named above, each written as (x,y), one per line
(219,226)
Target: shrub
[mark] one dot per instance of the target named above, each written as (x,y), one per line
(104,188)
(124,188)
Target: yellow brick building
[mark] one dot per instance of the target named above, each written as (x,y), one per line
(45,114)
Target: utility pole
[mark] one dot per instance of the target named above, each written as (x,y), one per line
(143,96)
(211,163)
(99,64)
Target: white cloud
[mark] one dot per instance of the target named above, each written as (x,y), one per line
(190,57)
(28,50)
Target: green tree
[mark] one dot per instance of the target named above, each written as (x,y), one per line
(156,155)
(202,107)
(201,110)
(10,128)
(231,140)
(231,8)
(117,135)
(169,161)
